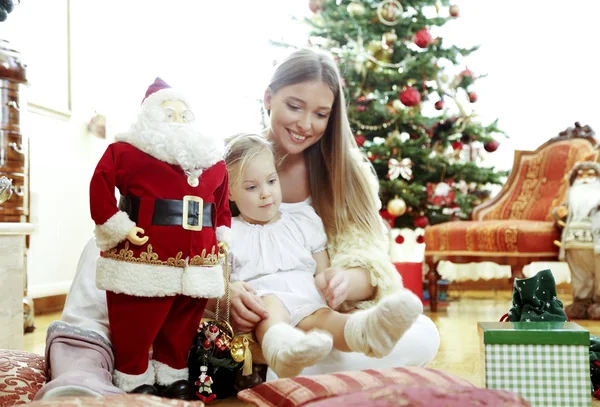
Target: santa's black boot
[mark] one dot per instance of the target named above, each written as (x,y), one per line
(146,389)
(181,390)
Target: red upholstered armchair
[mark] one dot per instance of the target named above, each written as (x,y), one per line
(516,227)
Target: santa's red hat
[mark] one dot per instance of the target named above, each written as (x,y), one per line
(158,84)
(159,92)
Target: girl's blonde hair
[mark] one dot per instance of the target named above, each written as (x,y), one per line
(240,150)
(341,192)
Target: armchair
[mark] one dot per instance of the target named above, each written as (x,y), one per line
(516,227)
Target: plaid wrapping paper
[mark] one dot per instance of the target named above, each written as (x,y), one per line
(546,375)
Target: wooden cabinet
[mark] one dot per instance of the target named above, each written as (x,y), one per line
(14,146)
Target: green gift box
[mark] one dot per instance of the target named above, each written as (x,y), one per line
(545,362)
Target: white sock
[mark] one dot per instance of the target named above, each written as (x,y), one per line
(376,331)
(289,350)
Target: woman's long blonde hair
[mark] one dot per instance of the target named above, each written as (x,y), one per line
(341,193)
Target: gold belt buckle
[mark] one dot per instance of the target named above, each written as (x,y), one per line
(186,204)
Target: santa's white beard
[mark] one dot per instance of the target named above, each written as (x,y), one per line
(583,197)
(175,143)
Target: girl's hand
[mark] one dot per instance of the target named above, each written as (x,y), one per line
(247,309)
(334,285)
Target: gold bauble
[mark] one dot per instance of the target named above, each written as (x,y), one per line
(374,47)
(389,38)
(396,207)
(356,9)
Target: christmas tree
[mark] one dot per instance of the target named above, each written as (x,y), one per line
(411,114)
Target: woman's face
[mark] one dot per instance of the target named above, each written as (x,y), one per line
(299,115)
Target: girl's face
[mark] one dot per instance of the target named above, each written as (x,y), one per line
(257,193)
(299,115)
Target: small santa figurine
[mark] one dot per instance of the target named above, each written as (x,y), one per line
(204,383)
(577,242)
(160,245)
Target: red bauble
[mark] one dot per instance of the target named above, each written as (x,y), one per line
(472,97)
(457,145)
(420,239)
(206,344)
(315,5)
(466,72)
(491,146)
(399,239)
(423,38)
(360,139)
(454,10)
(439,105)
(421,221)
(410,97)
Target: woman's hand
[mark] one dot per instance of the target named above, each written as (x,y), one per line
(334,284)
(247,308)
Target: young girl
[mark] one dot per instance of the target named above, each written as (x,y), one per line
(282,255)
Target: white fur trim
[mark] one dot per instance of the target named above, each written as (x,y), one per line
(203,282)
(139,279)
(224,235)
(128,382)
(166,375)
(113,231)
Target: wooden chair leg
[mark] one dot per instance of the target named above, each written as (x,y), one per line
(432,287)
(516,269)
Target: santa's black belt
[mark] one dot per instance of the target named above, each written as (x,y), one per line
(170,212)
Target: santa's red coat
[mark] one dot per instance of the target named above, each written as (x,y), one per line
(174,260)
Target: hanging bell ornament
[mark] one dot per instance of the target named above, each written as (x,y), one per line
(237,348)
(396,207)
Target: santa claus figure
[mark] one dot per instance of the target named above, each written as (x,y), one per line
(577,245)
(160,245)
(204,383)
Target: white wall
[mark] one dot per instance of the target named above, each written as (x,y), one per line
(539,57)
(538,83)
(217,52)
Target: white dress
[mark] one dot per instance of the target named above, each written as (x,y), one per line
(276,258)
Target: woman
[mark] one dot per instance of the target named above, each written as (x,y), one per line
(319,161)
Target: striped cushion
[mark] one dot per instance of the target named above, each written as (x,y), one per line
(424,395)
(300,390)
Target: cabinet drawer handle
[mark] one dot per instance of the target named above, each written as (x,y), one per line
(5,189)
(19,191)
(13,104)
(16,147)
